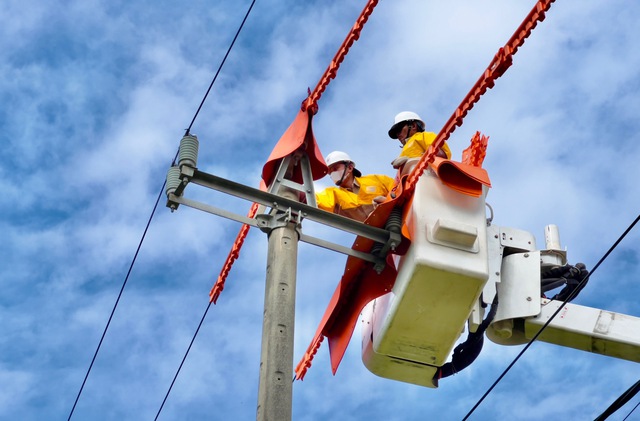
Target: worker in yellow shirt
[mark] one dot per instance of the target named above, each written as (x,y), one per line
(408,128)
(356,195)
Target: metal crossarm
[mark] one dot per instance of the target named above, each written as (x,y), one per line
(300,210)
(278,202)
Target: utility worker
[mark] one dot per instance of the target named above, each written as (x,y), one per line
(355,196)
(408,128)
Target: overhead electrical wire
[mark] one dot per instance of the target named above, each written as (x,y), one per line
(620,402)
(155,207)
(569,298)
(204,315)
(135,256)
(220,67)
(631,412)
(183,360)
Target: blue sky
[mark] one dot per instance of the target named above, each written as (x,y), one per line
(96,96)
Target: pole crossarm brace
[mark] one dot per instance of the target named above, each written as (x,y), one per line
(298,211)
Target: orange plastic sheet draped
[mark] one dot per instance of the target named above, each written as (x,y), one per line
(464,178)
(298,138)
(359,285)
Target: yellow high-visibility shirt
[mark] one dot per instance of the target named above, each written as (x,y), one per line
(355,206)
(418,144)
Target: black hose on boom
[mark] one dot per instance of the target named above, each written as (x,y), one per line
(467,352)
(568,275)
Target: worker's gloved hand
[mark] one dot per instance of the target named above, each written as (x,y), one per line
(377,200)
(399,162)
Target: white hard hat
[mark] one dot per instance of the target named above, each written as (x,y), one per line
(339,156)
(403,117)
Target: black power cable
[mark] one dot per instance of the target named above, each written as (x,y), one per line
(220,67)
(631,412)
(187,132)
(569,298)
(619,403)
(183,360)
(135,256)
(155,207)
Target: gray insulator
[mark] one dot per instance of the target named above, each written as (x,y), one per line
(394,223)
(376,249)
(188,154)
(173,180)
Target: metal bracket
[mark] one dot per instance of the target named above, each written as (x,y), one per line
(281,181)
(380,251)
(186,173)
(268,222)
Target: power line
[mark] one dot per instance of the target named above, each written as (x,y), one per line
(135,256)
(155,207)
(631,412)
(569,298)
(183,359)
(620,402)
(221,64)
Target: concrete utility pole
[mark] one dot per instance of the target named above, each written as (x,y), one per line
(276,360)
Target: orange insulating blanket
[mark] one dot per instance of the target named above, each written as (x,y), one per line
(359,285)
(297,138)
(462,178)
